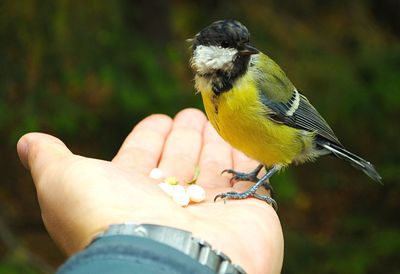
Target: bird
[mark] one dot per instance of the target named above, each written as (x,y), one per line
(254,107)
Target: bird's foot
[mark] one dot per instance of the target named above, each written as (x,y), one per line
(250,177)
(243,176)
(247,194)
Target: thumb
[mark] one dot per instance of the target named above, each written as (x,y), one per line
(37,151)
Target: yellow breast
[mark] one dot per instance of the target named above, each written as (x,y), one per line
(241,119)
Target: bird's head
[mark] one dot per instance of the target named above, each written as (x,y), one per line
(222,47)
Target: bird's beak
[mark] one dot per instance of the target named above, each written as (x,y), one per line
(248,50)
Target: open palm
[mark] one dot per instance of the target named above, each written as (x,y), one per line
(79,197)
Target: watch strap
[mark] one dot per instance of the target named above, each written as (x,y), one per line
(182,240)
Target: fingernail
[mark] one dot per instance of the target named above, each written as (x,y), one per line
(23,149)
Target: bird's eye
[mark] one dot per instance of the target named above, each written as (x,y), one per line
(225,44)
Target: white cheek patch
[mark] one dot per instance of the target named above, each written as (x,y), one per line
(209,58)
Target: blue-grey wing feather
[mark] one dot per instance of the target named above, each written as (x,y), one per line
(304,116)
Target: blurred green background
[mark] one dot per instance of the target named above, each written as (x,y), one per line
(87,71)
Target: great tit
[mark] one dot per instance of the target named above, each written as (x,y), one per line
(254,106)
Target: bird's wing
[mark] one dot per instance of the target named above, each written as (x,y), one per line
(285,104)
(297,112)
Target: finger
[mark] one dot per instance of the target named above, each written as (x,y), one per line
(142,148)
(243,163)
(216,155)
(182,148)
(38,152)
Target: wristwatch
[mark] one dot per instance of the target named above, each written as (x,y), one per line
(182,240)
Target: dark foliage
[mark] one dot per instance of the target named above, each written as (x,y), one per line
(88,71)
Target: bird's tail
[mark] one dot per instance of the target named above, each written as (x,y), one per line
(354,160)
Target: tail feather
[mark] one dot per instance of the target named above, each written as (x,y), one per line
(354,160)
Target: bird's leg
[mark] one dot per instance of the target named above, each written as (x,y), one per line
(268,186)
(251,192)
(242,176)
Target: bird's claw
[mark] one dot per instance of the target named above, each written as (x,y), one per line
(243,195)
(241,176)
(224,196)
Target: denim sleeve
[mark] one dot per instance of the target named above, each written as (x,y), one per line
(122,254)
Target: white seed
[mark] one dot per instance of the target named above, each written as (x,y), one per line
(180,197)
(156,174)
(178,188)
(196,193)
(167,188)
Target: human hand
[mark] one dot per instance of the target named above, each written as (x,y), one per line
(80,197)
